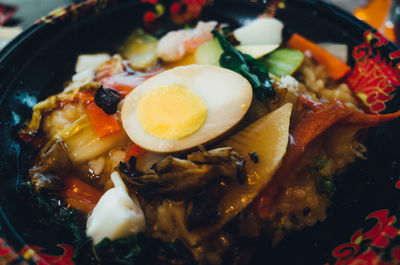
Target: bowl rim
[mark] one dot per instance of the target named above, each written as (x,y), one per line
(51,19)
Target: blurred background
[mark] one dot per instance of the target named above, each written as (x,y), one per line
(31,10)
(16,15)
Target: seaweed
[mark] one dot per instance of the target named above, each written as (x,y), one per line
(107,99)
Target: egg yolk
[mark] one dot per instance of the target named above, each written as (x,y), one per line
(171,112)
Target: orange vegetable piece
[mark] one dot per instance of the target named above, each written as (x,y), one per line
(80,195)
(135,150)
(315,119)
(336,69)
(102,123)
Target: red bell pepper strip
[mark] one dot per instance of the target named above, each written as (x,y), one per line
(102,123)
(80,195)
(135,150)
(315,119)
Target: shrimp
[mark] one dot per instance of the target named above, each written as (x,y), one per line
(173,46)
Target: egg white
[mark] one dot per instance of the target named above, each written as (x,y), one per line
(227,95)
(117,214)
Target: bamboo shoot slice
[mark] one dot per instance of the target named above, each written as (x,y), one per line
(268,137)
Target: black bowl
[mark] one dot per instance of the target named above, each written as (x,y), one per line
(362,221)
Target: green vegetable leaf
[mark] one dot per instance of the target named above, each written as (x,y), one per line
(53,213)
(140,249)
(252,69)
(284,61)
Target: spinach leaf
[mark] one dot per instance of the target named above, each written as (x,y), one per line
(140,249)
(52,212)
(252,69)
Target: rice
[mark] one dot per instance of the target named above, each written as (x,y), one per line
(317,81)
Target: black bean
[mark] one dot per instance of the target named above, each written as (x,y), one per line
(254,157)
(107,99)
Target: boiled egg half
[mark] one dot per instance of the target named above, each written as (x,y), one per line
(183,107)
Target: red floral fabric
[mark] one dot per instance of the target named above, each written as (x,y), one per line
(374,78)
(369,247)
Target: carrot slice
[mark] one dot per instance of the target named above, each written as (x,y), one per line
(135,150)
(80,195)
(336,69)
(315,119)
(102,123)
